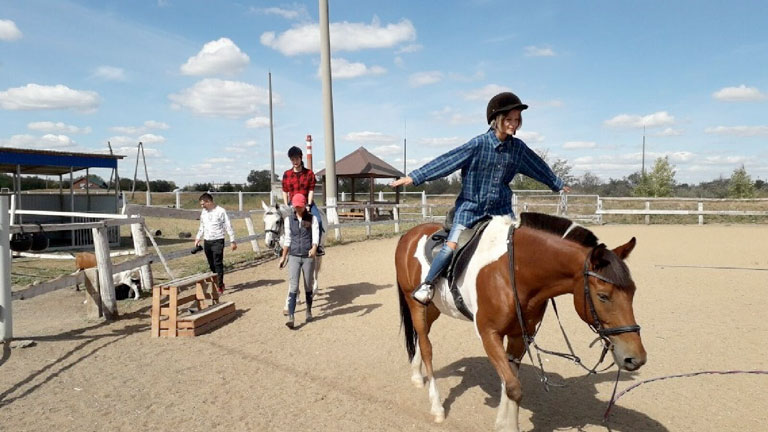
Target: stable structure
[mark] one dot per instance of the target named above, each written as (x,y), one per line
(362,164)
(31,207)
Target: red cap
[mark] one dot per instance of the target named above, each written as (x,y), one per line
(299,200)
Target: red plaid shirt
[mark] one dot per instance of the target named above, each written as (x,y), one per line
(298,182)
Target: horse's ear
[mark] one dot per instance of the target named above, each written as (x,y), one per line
(624,250)
(598,258)
(264,205)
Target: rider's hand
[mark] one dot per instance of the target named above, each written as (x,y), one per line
(313,251)
(283,260)
(403,181)
(566,189)
(234,246)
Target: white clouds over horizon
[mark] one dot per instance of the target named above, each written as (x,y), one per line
(44,97)
(741,93)
(57,127)
(109,73)
(657,119)
(571,145)
(420,79)
(222,98)
(345,36)
(344,69)
(741,131)
(369,137)
(534,51)
(219,57)
(137,130)
(257,122)
(297,12)
(9,31)
(45,142)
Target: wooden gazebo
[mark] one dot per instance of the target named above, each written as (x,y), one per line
(363,164)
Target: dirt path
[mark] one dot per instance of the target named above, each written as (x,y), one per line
(347,370)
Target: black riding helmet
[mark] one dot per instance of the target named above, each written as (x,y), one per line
(503,103)
(294,152)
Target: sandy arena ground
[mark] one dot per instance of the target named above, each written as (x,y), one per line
(347,371)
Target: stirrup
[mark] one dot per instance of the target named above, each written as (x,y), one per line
(424,293)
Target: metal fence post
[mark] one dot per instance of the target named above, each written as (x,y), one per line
(6,312)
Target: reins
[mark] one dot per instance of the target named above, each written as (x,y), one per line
(596,326)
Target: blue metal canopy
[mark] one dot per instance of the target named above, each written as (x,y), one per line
(45,162)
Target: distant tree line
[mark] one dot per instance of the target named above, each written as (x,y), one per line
(659,181)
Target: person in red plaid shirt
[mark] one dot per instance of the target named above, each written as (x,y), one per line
(300,179)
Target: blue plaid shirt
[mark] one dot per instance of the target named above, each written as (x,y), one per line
(487,166)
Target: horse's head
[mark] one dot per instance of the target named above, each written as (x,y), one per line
(273,226)
(604,301)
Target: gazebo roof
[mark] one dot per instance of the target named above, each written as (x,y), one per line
(46,162)
(363,164)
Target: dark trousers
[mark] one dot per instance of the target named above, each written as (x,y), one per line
(214,252)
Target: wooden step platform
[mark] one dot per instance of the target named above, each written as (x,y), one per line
(170,304)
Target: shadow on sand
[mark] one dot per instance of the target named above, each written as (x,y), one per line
(337,300)
(574,406)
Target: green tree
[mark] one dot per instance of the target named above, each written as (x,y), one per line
(660,182)
(258,181)
(560,167)
(588,183)
(740,184)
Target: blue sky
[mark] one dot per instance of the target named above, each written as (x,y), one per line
(189,79)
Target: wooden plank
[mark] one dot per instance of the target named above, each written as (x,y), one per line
(213,324)
(92,294)
(187,280)
(209,314)
(172,312)
(52,285)
(173,213)
(156,312)
(104,264)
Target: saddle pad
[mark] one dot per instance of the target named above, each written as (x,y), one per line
(491,247)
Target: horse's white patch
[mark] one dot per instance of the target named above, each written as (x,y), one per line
(493,244)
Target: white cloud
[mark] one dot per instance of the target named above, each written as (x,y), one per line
(369,137)
(425,78)
(217,57)
(579,145)
(450,115)
(387,150)
(216,97)
(131,153)
(47,141)
(9,31)
(257,122)
(530,136)
(742,131)
(486,93)
(124,142)
(534,51)
(669,132)
(109,73)
(442,142)
(344,69)
(57,127)
(152,124)
(220,160)
(741,93)
(39,97)
(345,36)
(657,119)
(152,139)
(291,14)
(243,147)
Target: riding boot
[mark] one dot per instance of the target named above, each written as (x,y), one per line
(309,295)
(291,309)
(426,290)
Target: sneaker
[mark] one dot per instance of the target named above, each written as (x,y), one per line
(309,316)
(424,293)
(289,322)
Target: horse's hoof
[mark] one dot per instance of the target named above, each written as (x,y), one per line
(418,381)
(439,418)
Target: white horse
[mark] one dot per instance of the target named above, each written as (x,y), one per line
(274,233)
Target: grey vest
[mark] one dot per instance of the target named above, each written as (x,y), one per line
(301,238)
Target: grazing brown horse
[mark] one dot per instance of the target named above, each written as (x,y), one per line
(552,256)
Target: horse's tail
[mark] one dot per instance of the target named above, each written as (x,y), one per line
(406,322)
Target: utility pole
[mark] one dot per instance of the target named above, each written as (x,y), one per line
(643,166)
(405,149)
(271,145)
(330,151)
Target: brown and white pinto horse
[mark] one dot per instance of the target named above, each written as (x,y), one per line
(552,256)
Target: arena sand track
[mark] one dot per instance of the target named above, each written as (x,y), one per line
(347,371)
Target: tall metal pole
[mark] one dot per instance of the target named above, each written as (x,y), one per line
(405,149)
(330,152)
(271,144)
(6,315)
(643,169)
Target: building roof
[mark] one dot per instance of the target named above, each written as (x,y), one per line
(46,162)
(363,164)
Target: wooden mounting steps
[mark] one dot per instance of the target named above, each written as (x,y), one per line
(167,318)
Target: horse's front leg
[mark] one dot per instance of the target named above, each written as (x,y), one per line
(509,410)
(315,285)
(511,390)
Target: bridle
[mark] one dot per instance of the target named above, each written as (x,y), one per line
(596,326)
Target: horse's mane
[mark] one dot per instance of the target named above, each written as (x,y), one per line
(559,226)
(615,269)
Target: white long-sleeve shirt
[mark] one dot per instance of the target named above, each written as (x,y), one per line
(287,229)
(213,225)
